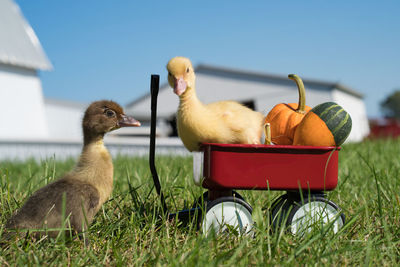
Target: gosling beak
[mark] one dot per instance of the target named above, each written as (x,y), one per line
(128,121)
(179,86)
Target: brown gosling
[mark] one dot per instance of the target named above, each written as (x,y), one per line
(85,188)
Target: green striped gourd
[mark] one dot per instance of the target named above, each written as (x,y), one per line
(327,124)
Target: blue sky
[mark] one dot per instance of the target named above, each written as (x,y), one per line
(108,49)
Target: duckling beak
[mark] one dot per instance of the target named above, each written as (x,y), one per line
(128,121)
(179,86)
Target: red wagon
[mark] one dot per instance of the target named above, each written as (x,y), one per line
(305,172)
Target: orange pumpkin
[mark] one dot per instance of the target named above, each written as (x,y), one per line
(313,132)
(284,118)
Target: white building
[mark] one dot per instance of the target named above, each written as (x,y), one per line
(257,90)
(64,119)
(21,56)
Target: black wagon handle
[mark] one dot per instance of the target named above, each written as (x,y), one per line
(154,88)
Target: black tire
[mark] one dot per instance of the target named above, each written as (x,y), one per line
(229,199)
(204,199)
(279,211)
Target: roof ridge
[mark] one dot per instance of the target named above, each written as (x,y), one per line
(201,67)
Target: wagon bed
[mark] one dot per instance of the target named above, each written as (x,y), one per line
(273,167)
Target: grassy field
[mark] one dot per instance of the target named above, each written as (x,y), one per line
(128,230)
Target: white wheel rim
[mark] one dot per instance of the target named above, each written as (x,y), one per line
(227,213)
(315,214)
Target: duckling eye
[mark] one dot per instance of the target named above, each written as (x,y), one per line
(169,74)
(187,70)
(109,113)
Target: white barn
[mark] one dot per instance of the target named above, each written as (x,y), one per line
(258,90)
(21,56)
(64,119)
(30,117)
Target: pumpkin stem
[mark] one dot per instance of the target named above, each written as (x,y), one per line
(302,93)
(267,133)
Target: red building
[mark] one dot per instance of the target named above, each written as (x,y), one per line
(384,128)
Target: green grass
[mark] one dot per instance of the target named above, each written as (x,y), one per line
(128,229)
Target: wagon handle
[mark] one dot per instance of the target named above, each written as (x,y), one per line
(154,88)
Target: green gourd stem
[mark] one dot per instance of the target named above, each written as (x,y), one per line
(302,93)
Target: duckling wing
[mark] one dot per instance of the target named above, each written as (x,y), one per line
(45,207)
(235,115)
(236,123)
(82,201)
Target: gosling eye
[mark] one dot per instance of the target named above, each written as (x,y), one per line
(169,74)
(187,70)
(109,113)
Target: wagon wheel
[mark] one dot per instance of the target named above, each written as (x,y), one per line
(280,209)
(204,199)
(313,213)
(227,214)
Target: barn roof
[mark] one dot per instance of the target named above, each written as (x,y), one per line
(19,45)
(265,77)
(254,76)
